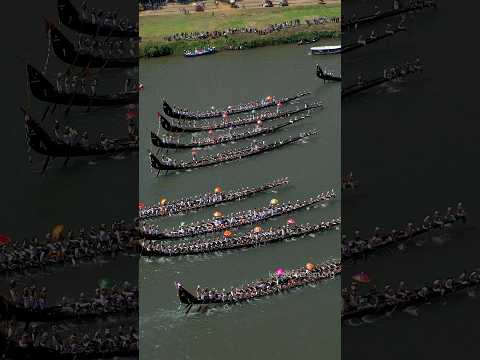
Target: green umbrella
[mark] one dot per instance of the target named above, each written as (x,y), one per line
(105,283)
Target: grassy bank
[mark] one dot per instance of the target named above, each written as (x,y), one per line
(247,41)
(156,27)
(153,29)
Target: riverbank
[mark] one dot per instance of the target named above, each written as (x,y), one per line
(154,29)
(237,42)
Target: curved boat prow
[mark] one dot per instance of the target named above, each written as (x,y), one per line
(157,164)
(39,85)
(185,296)
(167,109)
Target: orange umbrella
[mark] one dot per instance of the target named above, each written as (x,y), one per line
(227,233)
(257,229)
(218,189)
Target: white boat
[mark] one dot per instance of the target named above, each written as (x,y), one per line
(325,50)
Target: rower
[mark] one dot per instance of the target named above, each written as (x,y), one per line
(84,140)
(361,41)
(389,30)
(93,86)
(59,82)
(56,130)
(359,80)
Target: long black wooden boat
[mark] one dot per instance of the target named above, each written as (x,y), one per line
(232,221)
(370,40)
(70,17)
(385,305)
(272,285)
(166,163)
(365,85)
(175,126)
(55,313)
(325,76)
(384,15)
(14,352)
(248,240)
(206,200)
(43,90)
(41,142)
(211,141)
(176,113)
(67,52)
(395,238)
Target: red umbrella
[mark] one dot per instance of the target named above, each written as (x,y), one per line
(4,239)
(362,278)
(141,205)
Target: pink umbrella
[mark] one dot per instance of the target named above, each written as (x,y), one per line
(362,278)
(280,272)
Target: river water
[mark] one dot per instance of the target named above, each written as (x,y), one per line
(303,323)
(412,144)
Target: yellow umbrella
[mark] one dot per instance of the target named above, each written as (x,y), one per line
(57,231)
(163,201)
(274,202)
(217,214)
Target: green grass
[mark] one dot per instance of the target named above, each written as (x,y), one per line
(154,28)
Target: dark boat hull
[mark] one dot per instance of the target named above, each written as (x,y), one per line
(168,126)
(162,166)
(388,307)
(401,238)
(356,45)
(244,245)
(384,15)
(70,17)
(169,111)
(41,142)
(43,90)
(66,52)
(158,142)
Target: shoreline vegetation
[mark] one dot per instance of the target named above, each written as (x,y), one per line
(154,28)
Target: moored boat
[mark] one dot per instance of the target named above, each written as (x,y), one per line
(326,50)
(200,52)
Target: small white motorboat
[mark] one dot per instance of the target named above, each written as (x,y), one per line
(326,50)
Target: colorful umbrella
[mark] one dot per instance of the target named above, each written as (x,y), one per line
(362,278)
